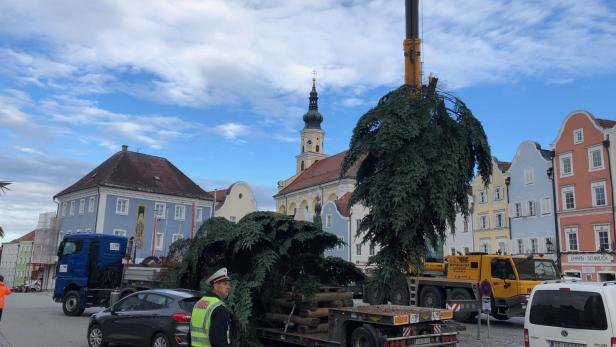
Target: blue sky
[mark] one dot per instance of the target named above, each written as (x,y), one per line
(220,87)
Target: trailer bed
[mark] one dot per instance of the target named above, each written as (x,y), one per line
(395,325)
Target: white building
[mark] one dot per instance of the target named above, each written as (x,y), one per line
(460,242)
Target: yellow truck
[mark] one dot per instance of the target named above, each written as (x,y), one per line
(459,277)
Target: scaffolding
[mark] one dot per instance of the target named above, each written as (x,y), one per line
(44,249)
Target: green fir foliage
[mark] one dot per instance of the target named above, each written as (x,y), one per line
(267,254)
(417,152)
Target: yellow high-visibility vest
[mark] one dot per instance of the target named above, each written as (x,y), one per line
(201,320)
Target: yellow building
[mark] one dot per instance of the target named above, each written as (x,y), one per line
(490,211)
(234,202)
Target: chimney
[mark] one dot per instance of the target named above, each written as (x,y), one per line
(412,45)
(124,148)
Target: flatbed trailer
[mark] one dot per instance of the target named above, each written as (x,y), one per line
(375,326)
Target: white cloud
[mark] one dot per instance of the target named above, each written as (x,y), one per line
(352,102)
(232,52)
(20,206)
(29,150)
(231,131)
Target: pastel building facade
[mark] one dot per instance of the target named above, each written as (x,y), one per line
(531,202)
(585,196)
(490,211)
(24,255)
(460,241)
(234,202)
(8,262)
(135,195)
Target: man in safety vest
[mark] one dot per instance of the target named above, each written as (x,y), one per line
(211,321)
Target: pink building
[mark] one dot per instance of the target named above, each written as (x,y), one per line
(584,195)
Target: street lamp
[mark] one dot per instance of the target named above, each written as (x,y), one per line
(548,246)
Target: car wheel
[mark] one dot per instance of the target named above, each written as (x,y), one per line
(161,340)
(71,304)
(95,336)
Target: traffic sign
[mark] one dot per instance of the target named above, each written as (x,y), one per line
(485,288)
(486,304)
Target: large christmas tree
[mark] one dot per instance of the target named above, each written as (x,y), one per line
(418,150)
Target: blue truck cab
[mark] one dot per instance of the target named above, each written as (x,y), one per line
(89,267)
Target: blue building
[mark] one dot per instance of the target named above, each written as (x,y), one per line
(336,220)
(135,195)
(531,201)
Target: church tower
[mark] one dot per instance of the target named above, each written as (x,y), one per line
(311,145)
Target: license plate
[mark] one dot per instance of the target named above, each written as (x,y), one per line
(565,344)
(422,340)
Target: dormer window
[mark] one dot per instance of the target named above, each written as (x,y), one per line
(578,136)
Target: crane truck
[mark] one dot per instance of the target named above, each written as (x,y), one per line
(458,277)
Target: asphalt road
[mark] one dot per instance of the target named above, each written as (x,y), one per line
(33,320)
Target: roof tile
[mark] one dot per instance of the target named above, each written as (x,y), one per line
(323,171)
(139,172)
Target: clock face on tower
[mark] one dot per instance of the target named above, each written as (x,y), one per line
(309,142)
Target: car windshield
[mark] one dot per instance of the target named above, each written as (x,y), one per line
(536,269)
(568,309)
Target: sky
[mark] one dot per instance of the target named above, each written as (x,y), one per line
(219,87)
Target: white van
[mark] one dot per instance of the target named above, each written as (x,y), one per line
(571,314)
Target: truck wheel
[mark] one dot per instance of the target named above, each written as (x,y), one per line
(462,294)
(399,294)
(501,316)
(362,337)
(71,304)
(431,297)
(376,295)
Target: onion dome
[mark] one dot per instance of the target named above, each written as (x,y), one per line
(312,118)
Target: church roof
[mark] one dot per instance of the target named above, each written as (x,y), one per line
(139,172)
(323,171)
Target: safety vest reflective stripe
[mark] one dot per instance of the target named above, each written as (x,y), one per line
(198,330)
(200,340)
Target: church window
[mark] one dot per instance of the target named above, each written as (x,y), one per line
(317,148)
(302,165)
(302,149)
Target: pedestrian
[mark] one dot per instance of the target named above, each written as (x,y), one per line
(4,291)
(210,322)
